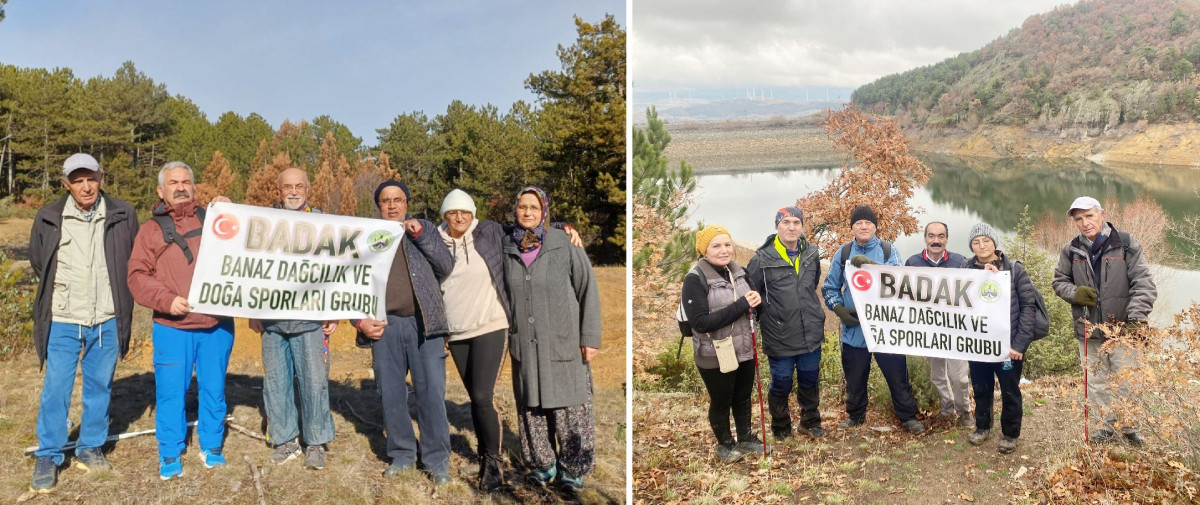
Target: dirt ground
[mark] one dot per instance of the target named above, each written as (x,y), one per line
(875,463)
(355,459)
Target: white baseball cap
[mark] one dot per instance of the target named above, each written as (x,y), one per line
(78,161)
(1085,203)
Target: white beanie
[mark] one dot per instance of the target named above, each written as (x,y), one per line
(457,199)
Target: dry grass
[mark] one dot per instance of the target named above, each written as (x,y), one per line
(355,459)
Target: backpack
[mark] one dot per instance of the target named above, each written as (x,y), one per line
(170,237)
(845,251)
(1041,316)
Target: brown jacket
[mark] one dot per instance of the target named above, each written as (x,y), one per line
(158,271)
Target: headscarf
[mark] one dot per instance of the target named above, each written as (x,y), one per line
(528,240)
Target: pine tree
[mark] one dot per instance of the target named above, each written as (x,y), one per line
(263,189)
(659,187)
(217,179)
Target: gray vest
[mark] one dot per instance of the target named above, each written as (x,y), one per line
(721,293)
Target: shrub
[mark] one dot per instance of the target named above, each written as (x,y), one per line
(671,374)
(16,300)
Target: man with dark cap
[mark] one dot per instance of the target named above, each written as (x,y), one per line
(856,359)
(1124,293)
(951,377)
(79,250)
(412,339)
(786,271)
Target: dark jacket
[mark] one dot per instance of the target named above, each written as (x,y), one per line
(791,316)
(428,263)
(120,228)
(555,308)
(489,242)
(953,260)
(714,300)
(1020,305)
(1126,289)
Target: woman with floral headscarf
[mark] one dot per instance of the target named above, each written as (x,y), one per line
(553,335)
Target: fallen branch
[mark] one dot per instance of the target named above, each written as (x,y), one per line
(262,500)
(245,431)
(33,448)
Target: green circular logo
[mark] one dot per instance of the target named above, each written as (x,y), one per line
(380,241)
(989,291)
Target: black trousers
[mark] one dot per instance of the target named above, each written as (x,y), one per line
(983,381)
(478,362)
(729,392)
(856,364)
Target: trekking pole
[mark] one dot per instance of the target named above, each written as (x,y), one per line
(762,413)
(1087,318)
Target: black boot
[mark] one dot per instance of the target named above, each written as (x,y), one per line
(781,420)
(491,472)
(810,410)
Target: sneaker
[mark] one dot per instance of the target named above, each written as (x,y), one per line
(728,453)
(851,422)
(1007,444)
(45,475)
(394,470)
(1133,439)
(285,452)
(979,437)
(1103,436)
(91,459)
(914,426)
(314,457)
(491,473)
(169,468)
(569,486)
(751,445)
(966,420)
(816,431)
(212,457)
(540,478)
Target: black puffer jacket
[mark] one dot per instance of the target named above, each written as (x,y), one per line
(791,314)
(1021,305)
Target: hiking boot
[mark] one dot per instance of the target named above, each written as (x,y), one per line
(45,475)
(314,457)
(914,426)
(1007,444)
(966,420)
(851,422)
(1103,436)
(91,459)
(980,436)
(728,453)
(1133,439)
(169,468)
(781,435)
(212,457)
(750,445)
(816,431)
(491,473)
(540,478)
(394,470)
(285,452)
(569,486)
(440,478)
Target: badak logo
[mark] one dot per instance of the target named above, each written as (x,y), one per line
(989,291)
(861,280)
(226,226)
(380,241)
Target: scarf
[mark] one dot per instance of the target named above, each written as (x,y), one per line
(529,240)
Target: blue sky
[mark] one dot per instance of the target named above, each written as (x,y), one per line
(361,62)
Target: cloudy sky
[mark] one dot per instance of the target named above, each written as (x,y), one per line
(361,62)
(698,44)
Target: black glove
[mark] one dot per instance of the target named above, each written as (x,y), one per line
(860,260)
(848,316)
(1136,327)
(1085,295)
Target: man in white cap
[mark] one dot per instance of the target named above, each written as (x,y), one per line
(1125,292)
(79,249)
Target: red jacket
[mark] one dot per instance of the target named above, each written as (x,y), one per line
(158,271)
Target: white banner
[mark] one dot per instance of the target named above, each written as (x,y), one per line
(267,263)
(959,313)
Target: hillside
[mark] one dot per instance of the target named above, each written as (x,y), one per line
(1077,71)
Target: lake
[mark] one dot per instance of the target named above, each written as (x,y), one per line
(965,191)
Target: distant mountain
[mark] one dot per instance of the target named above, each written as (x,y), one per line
(1095,65)
(682,111)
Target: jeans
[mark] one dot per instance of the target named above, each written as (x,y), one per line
(304,356)
(98,364)
(177,353)
(983,380)
(804,367)
(856,364)
(402,349)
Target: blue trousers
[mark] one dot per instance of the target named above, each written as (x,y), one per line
(802,368)
(100,351)
(304,356)
(177,353)
(404,349)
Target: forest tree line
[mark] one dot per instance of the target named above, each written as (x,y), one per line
(570,140)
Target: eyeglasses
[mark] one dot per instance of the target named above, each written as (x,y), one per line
(528,208)
(457,213)
(389,201)
(292,187)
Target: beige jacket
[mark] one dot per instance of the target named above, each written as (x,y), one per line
(82,294)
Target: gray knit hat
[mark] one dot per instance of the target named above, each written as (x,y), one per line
(983,230)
